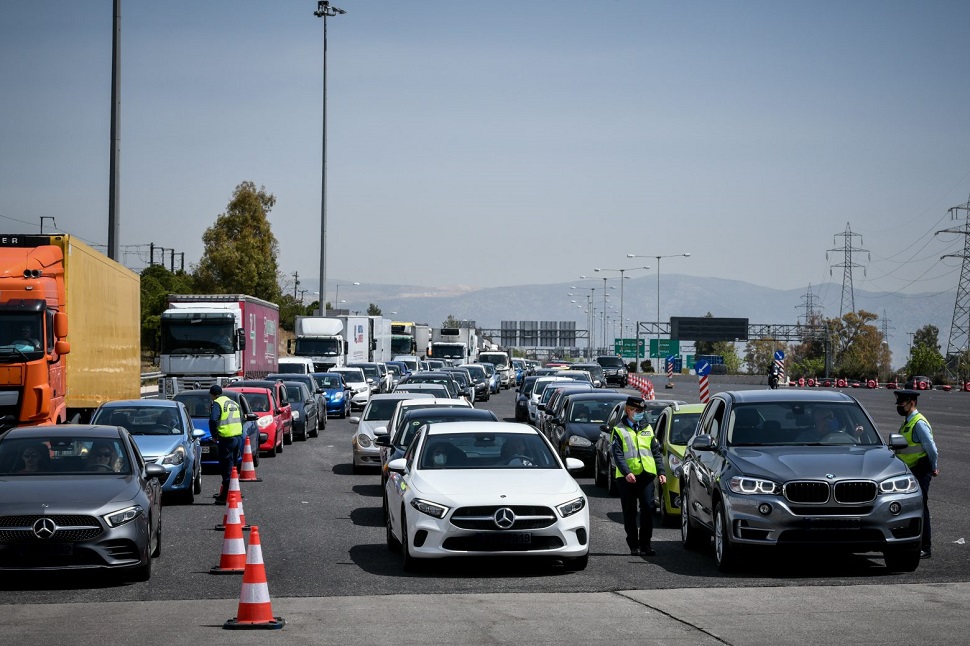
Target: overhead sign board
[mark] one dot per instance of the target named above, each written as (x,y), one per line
(664,347)
(705,328)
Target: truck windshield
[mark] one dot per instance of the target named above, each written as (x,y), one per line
(21,334)
(501,361)
(317,347)
(184,337)
(401,344)
(452,351)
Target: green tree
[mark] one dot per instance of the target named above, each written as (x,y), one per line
(759,354)
(240,250)
(927,336)
(373,310)
(290,308)
(860,350)
(156,284)
(451,321)
(925,360)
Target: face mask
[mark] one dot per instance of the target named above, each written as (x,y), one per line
(638,417)
(440,459)
(901,410)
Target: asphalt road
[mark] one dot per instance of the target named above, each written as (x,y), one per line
(324,548)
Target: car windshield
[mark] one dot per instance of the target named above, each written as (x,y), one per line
(591,412)
(355,375)
(610,362)
(486,451)
(259,402)
(380,409)
(788,423)
(141,420)
(371,372)
(199,404)
(63,455)
(682,427)
(330,381)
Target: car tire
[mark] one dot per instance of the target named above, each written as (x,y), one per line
(902,560)
(598,478)
(725,551)
(197,485)
(576,564)
(142,573)
(408,562)
(611,487)
(691,536)
(288,437)
(666,518)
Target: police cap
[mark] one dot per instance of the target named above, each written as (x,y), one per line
(215,389)
(905,395)
(635,402)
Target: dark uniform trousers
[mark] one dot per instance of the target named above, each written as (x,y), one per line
(632,495)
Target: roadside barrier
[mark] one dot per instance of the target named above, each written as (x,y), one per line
(966,387)
(248,473)
(233,558)
(255,608)
(811,382)
(872,383)
(704,388)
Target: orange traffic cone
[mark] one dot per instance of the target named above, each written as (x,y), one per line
(248,473)
(234,493)
(255,609)
(233,560)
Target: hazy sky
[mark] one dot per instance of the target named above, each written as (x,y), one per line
(489,144)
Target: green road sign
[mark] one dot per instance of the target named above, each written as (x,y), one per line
(667,348)
(627,348)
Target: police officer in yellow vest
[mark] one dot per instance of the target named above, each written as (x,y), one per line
(920,456)
(225,426)
(638,460)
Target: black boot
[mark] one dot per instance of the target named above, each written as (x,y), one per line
(221,496)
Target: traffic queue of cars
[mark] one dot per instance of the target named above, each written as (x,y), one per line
(90,496)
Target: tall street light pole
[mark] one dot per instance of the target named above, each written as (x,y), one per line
(589,317)
(324,10)
(673,255)
(622,278)
(336,296)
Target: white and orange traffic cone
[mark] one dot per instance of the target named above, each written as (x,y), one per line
(233,559)
(234,493)
(248,469)
(255,609)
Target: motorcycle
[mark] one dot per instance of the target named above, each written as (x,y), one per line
(773,381)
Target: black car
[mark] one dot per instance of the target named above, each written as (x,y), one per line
(304,410)
(575,428)
(522,394)
(434,377)
(78,497)
(614,370)
(316,389)
(801,470)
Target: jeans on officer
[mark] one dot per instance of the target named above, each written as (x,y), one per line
(230,452)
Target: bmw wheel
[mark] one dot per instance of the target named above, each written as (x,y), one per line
(725,551)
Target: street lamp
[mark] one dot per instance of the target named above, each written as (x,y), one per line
(336,295)
(622,277)
(589,317)
(324,10)
(673,255)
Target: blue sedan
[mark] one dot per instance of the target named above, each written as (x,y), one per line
(338,397)
(199,405)
(164,435)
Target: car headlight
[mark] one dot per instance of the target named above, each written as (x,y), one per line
(673,461)
(899,484)
(296,414)
(264,421)
(431,509)
(122,516)
(338,396)
(746,485)
(576,440)
(175,457)
(364,441)
(569,508)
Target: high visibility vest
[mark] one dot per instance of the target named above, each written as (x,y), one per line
(636,447)
(230,422)
(912,453)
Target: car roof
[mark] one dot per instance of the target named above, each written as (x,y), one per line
(597,395)
(686,408)
(481,427)
(65,430)
(260,383)
(767,396)
(450,411)
(145,403)
(399,395)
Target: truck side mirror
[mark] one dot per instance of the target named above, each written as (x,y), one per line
(60,324)
(241,338)
(62,347)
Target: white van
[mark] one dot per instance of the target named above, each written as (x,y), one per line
(296,365)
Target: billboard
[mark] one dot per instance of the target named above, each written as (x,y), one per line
(705,328)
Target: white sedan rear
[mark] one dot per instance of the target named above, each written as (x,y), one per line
(482,489)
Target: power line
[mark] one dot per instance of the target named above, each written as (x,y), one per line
(960,325)
(848,293)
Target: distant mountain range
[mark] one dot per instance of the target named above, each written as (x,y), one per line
(681,296)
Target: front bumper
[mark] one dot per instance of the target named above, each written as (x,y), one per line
(855,528)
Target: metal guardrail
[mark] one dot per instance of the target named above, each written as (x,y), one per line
(150,376)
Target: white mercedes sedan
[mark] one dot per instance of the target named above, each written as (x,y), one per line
(483,489)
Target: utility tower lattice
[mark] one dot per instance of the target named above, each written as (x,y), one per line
(848,295)
(960,325)
(810,302)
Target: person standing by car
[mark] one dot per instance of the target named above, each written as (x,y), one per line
(225,425)
(920,456)
(638,460)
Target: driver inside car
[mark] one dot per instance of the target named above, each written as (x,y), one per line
(514,454)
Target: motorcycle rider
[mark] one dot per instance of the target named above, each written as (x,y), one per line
(774,374)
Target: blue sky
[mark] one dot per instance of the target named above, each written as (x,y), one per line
(486,144)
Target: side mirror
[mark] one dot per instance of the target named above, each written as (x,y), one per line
(251,417)
(897,442)
(398,465)
(155,471)
(573,464)
(241,338)
(383,440)
(198,433)
(702,442)
(380,430)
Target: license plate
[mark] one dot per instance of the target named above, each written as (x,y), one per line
(512,538)
(51,549)
(205,449)
(832,523)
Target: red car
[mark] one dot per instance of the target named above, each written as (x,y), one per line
(268,400)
